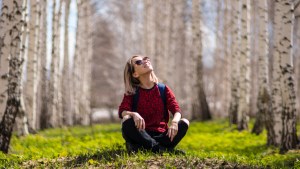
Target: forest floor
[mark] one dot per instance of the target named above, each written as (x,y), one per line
(207,145)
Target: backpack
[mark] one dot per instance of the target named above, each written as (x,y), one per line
(162,92)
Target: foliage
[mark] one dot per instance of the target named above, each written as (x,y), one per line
(208,145)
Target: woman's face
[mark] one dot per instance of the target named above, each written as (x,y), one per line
(142,65)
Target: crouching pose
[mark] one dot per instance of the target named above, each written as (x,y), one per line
(145,110)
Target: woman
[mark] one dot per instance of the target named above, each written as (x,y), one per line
(145,120)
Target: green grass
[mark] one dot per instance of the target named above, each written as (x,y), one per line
(207,144)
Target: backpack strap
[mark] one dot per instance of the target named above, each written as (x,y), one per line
(162,91)
(135,100)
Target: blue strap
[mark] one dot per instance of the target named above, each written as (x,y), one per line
(135,100)
(162,93)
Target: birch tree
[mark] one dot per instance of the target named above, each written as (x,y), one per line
(31,84)
(66,73)
(283,94)
(264,96)
(22,120)
(149,28)
(289,138)
(200,109)
(175,51)
(75,70)
(86,66)
(158,55)
(244,77)
(12,20)
(4,50)
(79,68)
(227,51)
(55,114)
(233,109)
(296,53)
(44,83)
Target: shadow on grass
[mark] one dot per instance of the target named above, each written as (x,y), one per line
(104,155)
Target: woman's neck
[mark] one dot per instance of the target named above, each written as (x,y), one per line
(146,82)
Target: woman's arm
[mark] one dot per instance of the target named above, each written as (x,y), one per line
(138,120)
(176,117)
(173,129)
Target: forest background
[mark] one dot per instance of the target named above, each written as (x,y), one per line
(62,61)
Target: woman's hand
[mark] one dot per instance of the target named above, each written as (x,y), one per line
(139,121)
(173,129)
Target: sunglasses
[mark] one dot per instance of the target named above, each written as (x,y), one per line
(140,62)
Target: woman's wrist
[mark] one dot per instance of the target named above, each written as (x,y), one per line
(174,121)
(125,112)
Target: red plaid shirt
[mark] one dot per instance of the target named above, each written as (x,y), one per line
(151,107)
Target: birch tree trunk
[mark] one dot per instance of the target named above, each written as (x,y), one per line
(44,83)
(283,94)
(264,97)
(31,84)
(76,67)
(66,73)
(13,21)
(58,72)
(233,108)
(4,53)
(22,120)
(276,79)
(150,28)
(296,53)
(85,67)
(175,51)
(158,55)
(54,80)
(89,43)
(166,13)
(40,48)
(200,109)
(289,138)
(146,15)
(227,52)
(219,65)
(244,78)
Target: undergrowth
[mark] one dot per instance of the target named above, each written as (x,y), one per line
(207,144)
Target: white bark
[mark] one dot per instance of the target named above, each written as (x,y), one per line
(55,118)
(22,120)
(263,116)
(200,107)
(44,83)
(289,138)
(150,28)
(276,78)
(244,78)
(67,118)
(12,33)
(77,78)
(5,26)
(235,54)
(31,84)
(227,52)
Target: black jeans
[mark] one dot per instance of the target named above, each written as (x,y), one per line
(151,140)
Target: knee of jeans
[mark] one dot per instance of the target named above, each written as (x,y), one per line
(186,121)
(126,118)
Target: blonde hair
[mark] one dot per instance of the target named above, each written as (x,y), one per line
(132,83)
